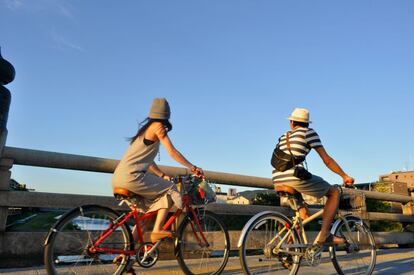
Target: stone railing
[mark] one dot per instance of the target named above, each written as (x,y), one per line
(27,247)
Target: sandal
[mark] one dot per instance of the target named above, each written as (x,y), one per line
(329,241)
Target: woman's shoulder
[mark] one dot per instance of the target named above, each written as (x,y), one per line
(158,128)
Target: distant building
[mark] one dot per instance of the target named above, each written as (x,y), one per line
(225,197)
(221,197)
(14,185)
(232,192)
(248,197)
(404,177)
(240,200)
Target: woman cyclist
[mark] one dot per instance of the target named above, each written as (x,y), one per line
(138,173)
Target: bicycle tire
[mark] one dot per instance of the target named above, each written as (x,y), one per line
(194,259)
(256,258)
(66,246)
(351,260)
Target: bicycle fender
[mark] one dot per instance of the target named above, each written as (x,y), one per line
(253,219)
(51,231)
(337,222)
(53,228)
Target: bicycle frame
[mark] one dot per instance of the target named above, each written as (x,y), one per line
(133,213)
(298,222)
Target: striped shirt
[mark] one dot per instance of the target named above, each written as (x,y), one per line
(301,140)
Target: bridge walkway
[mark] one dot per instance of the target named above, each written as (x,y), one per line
(389,261)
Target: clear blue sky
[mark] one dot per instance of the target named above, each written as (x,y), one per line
(87,72)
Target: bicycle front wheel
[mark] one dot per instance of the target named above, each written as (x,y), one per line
(69,246)
(194,254)
(268,246)
(358,256)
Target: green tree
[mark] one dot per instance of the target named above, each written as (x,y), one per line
(267,199)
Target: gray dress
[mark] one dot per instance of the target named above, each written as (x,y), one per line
(132,174)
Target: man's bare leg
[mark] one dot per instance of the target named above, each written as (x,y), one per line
(329,211)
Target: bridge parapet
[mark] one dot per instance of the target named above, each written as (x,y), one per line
(21,246)
(7,74)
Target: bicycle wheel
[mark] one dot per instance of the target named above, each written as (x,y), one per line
(357,258)
(193,256)
(266,246)
(67,246)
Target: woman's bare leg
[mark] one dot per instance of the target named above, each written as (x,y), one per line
(159,221)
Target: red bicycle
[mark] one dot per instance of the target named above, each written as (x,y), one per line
(93,239)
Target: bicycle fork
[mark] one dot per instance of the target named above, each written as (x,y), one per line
(351,245)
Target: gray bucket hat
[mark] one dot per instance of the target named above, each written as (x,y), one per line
(160,109)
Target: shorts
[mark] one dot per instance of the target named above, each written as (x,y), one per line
(316,186)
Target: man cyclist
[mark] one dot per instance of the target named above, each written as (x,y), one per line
(297,143)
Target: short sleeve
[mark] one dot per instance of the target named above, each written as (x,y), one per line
(312,139)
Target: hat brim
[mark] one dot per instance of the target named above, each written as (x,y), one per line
(298,119)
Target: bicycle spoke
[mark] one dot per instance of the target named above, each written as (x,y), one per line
(358,256)
(264,249)
(195,256)
(69,250)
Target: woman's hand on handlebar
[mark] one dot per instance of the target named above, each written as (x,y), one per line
(348,181)
(197,171)
(167,178)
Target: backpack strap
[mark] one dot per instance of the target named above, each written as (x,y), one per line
(288,146)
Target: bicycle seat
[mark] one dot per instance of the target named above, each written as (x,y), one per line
(285,190)
(122,193)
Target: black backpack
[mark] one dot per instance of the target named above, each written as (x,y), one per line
(282,161)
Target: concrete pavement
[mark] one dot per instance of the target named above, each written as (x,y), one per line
(389,261)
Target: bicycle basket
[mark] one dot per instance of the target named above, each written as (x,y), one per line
(200,192)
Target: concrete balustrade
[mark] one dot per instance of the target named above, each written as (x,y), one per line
(27,246)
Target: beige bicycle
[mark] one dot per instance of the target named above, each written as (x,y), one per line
(270,242)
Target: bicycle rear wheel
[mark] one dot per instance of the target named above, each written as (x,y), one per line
(192,255)
(266,246)
(357,258)
(68,244)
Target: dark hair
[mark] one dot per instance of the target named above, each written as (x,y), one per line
(301,124)
(146,123)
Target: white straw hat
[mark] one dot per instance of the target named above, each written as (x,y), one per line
(300,115)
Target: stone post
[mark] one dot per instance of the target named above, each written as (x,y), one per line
(408,209)
(7,74)
(359,203)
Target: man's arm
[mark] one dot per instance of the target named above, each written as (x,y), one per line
(333,166)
